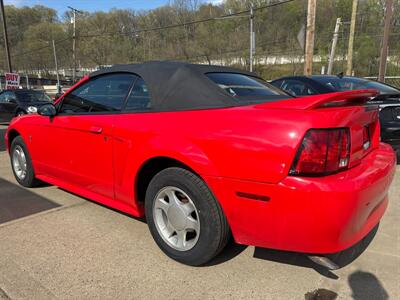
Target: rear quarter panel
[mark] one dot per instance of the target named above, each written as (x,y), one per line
(248,143)
(237,143)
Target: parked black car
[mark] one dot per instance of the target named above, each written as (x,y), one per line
(19,102)
(388,98)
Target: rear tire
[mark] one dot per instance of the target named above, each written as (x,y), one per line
(21,164)
(184,218)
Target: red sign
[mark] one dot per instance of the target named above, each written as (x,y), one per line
(12,81)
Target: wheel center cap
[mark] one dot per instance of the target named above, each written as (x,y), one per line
(176,217)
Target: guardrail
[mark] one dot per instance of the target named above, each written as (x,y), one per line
(391,80)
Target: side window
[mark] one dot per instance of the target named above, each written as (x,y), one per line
(297,88)
(139,98)
(102,94)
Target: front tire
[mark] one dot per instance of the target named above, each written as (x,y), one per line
(21,164)
(184,218)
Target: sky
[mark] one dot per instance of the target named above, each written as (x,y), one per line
(95,5)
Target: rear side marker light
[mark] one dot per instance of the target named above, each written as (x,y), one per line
(322,152)
(253,196)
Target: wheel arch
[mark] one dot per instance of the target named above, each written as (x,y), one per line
(11,135)
(150,168)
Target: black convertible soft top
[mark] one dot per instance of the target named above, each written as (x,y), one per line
(178,85)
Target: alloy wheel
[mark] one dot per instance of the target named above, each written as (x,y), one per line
(19,162)
(176,218)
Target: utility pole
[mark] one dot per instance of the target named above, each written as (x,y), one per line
(3,16)
(74,11)
(349,69)
(385,40)
(56,65)
(252,38)
(309,51)
(334,43)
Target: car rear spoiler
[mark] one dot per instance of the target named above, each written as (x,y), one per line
(324,100)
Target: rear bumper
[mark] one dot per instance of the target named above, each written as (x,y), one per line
(313,215)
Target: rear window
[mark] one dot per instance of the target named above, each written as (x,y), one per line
(246,88)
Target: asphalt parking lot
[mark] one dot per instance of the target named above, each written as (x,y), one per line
(67,247)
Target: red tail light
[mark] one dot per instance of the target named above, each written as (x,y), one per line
(322,152)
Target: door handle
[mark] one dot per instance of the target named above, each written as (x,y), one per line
(96,129)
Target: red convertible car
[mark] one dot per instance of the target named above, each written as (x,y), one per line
(205,151)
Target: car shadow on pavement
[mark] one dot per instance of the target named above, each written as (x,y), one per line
(365,285)
(143,220)
(341,259)
(231,250)
(286,257)
(17,202)
(292,258)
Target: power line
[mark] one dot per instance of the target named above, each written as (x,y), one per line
(40,48)
(160,27)
(274,52)
(188,23)
(320,37)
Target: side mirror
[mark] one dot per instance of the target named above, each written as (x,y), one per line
(12,100)
(47,110)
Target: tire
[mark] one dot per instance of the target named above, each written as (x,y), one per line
(212,229)
(27,180)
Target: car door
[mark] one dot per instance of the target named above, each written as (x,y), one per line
(128,133)
(8,106)
(76,146)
